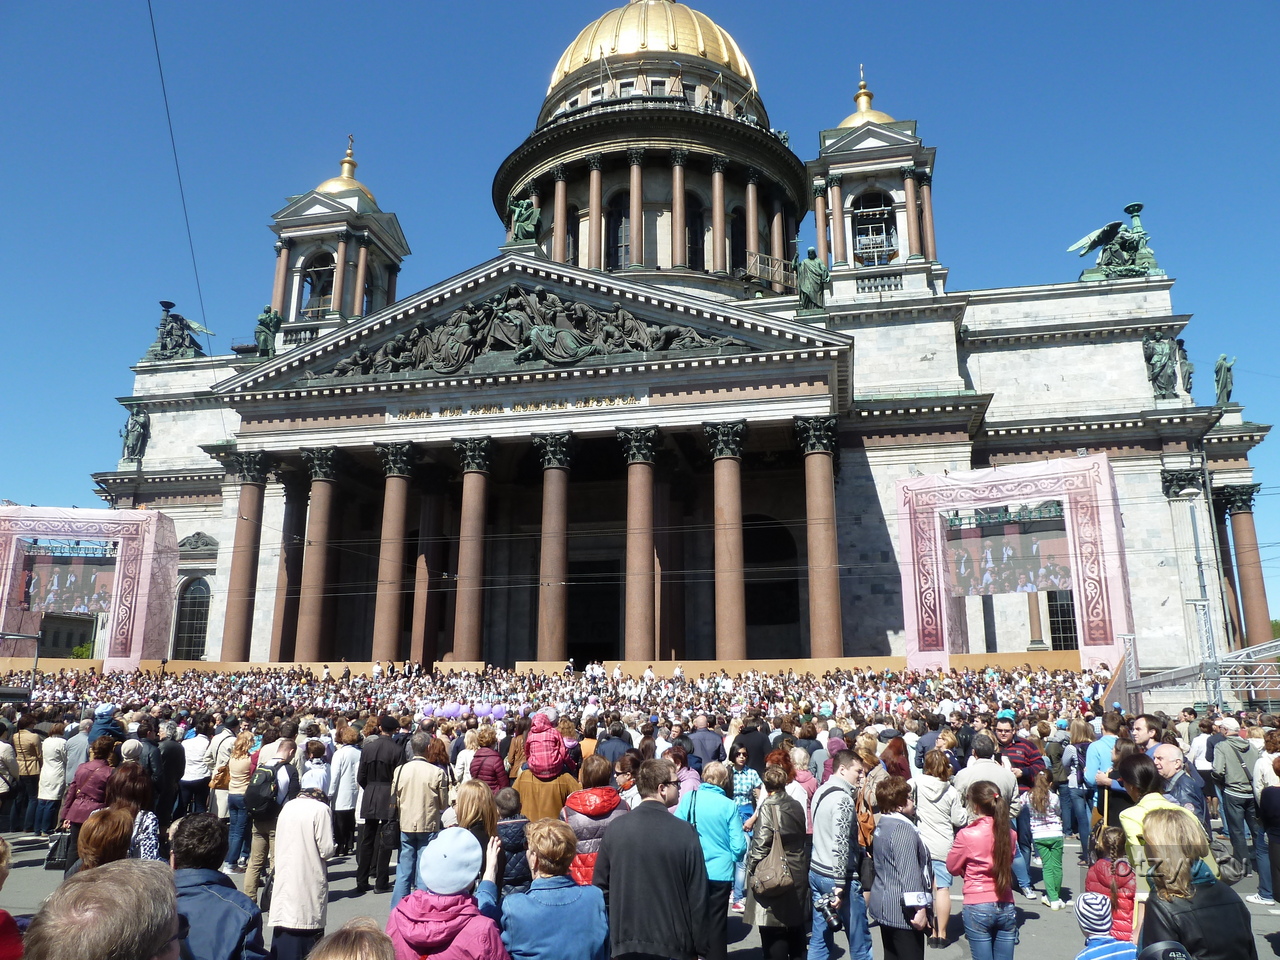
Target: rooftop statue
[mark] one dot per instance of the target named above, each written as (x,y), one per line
(1161,355)
(1224,379)
(1123,251)
(175,336)
(811,281)
(264,334)
(136,432)
(525,218)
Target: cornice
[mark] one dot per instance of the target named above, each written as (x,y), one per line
(1052,331)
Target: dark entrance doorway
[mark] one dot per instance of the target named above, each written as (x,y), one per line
(595,610)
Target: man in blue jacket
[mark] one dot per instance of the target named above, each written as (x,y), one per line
(225,924)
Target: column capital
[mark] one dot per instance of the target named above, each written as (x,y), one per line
(397,458)
(283,244)
(924,179)
(476,453)
(635,156)
(250,467)
(558,172)
(817,434)
(819,190)
(753,175)
(533,189)
(908,173)
(556,449)
(1237,498)
(1176,483)
(679,157)
(393,268)
(640,443)
(595,161)
(364,240)
(834,180)
(719,164)
(344,236)
(726,438)
(322,462)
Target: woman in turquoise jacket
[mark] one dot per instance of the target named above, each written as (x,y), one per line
(715,816)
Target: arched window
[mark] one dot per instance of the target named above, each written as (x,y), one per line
(696,230)
(618,231)
(875,231)
(737,240)
(193,620)
(317,294)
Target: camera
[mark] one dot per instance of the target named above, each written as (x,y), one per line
(830,913)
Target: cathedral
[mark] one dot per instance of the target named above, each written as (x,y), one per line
(655,426)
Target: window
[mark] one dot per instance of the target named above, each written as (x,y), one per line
(626,88)
(738,239)
(193,621)
(597,93)
(696,232)
(618,231)
(571,104)
(317,294)
(1062,620)
(875,234)
(658,88)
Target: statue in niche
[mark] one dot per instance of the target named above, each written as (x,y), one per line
(1123,251)
(1224,379)
(1185,365)
(175,336)
(264,334)
(525,218)
(1162,364)
(811,281)
(136,432)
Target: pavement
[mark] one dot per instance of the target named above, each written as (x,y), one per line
(1045,934)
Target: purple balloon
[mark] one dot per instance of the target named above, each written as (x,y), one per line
(451,709)
(484,709)
(499,712)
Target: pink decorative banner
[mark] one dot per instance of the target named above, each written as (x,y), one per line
(1085,487)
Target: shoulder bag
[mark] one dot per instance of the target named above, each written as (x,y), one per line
(772,875)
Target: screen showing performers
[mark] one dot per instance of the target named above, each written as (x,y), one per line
(986,558)
(67,584)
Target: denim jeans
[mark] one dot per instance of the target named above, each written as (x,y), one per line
(193,796)
(1240,815)
(30,787)
(237,837)
(411,844)
(740,867)
(1081,812)
(1021,875)
(1023,826)
(853,915)
(47,816)
(991,929)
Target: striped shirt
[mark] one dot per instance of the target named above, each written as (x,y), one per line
(1104,948)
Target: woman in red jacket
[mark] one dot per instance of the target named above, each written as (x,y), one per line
(982,856)
(486,765)
(1113,876)
(589,811)
(87,792)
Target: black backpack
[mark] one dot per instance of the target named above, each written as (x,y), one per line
(260,795)
(1053,751)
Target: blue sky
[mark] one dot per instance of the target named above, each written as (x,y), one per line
(1048,119)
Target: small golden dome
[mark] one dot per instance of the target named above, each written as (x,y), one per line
(346,181)
(653,27)
(864,113)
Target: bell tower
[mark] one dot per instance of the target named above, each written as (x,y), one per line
(337,257)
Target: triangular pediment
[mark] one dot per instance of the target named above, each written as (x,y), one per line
(313,204)
(518,315)
(869,136)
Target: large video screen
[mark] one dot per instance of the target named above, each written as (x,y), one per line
(67,584)
(1002,557)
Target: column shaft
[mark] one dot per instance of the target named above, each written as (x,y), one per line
(340,278)
(553,566)
(636,226)
(389,599)
(639,630)
(282,275)
(1227,574)
(753,216)
(820,222)
(284,624)
(309,647)
(825,635)
(595,231)
(392,272)
(913,216)
(839,244)
(926,208)
(426,594)
(731,597)
(237,630)
(468,617)
(560,227)
(362,279)
(717,218)
(1253,589)
(679,230)
(777,242)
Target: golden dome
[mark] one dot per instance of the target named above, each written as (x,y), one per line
(346,181)
(864,113)
(653,27)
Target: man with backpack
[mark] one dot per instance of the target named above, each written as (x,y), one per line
(271,786)
(1061,758)
(1233,762)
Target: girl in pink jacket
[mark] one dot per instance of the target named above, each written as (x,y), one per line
(982,857)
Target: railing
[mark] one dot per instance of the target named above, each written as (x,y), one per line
(771,269)
(880,283)
(295,337)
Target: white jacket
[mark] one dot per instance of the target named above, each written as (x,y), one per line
(939,813)
(343,788)
(304,841)
(53,770)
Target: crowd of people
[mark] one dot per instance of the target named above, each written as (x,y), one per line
(593,815)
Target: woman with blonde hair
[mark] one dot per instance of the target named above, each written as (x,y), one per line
(1190,905)
(344,788)
(462,766)
(357,939)
(239,766)
(475,810)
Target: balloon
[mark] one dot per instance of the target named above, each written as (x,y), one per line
(499,712)
(451,709)
(483,709)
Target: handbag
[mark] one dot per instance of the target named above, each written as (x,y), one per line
(772,875)
(268,888)
(221,779)
(59,855)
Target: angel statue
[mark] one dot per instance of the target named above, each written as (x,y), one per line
(176,336)
(1122,250)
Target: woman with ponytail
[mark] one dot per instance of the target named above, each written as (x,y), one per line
(982,856)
